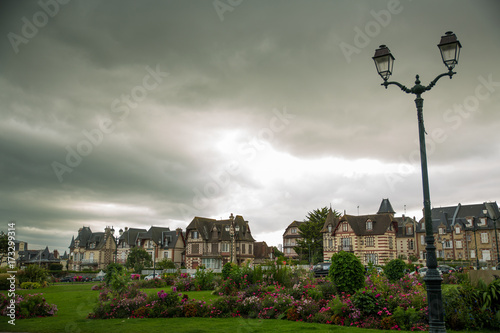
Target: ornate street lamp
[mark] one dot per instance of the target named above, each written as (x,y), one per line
(116,241)
(485,212)
(449,47)
(157,244)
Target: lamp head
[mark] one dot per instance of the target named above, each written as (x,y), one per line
(449,46)
(384,62)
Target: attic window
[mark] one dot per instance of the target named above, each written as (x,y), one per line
(409,230)
(469,222)
(441,231)
(482,222)
(369,225)
(194,234)
(329,228)
(344,226)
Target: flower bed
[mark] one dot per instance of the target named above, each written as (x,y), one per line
(27,306)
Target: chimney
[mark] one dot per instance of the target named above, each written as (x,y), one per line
(126,228)
(56,254)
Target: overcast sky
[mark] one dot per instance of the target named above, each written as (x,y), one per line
(141,113)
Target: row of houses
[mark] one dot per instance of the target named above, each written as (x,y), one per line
(205,242)
(462,232)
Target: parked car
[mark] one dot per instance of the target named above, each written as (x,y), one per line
(98,278)
(445,269)
(67,279)
(321,269)
(152,276)
(423,271)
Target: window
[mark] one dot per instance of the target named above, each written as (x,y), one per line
(211,263)
(195,248)
(344,226)
(410,244)
(458,244)
(194,234)
(390,242)
(250,249)
(457,230)
(422,239)
(472,254)
(482,222)
(369,225)
(329,228)
(370,241)
(165,254)
(227,228)
(409,230)
(371,258)
(423,255)
(484,237)
(330,243)
(442,231)
(486,255)
(293,230)
(243,248)
(469,222)
(448,244)
(224,247)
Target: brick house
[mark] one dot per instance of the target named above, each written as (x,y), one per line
(406,238)
(290,238)
(370,237)
(163,243)
(458,230)
(212,243)
(92,250)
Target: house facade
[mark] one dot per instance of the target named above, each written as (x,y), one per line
(91,250)
(290,238)
(463,232)
(372,238)
(128,240)
(212,243)
(406,238)
(162,243)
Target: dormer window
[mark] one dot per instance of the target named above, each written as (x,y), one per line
(482,222)
(369,225)
(457,230)
(442,231)
(344,226)
(329,228)
(237,228)
(409,230)
(293,230)
(469,222)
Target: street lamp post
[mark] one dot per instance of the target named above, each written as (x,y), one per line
(116,241)
(160,244)
(449,47)
(485,212)
(475,241)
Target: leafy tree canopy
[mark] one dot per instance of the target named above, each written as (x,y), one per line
(312,238)
(138,258)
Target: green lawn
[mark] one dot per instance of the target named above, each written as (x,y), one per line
(75,301)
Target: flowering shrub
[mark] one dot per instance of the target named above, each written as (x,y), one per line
(184,283)
(27,306)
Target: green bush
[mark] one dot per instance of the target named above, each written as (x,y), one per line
(116,277)
(395,269)
(405,318)
(365,301)
(346,272)
(33,273)
(30,285)
(227,269)
(204,279)
(4,283)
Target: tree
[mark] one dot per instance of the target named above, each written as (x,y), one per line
(166,264)
(138,258)
(347,272)
(4,245)
(312,238)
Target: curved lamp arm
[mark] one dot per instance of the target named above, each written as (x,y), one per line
(418,89)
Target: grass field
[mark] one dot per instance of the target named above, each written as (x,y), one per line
(76,301)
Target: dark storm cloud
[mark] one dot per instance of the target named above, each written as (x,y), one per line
(203,137)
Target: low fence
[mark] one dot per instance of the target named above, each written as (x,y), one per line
(215,270)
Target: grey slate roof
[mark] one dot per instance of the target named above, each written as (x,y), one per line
(385,207)
(215,230)
(129,236)
(381,223)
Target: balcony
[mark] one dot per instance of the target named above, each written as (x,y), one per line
(346,248)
